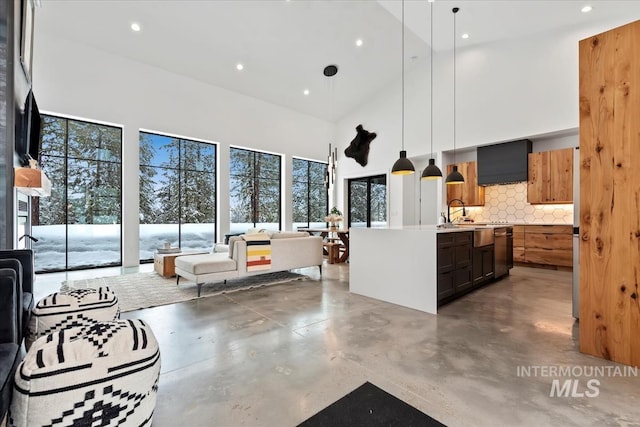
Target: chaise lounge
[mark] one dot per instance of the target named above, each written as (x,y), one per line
(288,250)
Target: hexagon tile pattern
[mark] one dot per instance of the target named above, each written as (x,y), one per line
(508,203)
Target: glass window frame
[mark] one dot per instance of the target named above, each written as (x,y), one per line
(181,171)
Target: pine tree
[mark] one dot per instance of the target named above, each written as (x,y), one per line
(148,207)
(51,210)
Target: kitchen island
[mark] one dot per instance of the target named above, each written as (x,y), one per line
(419,266)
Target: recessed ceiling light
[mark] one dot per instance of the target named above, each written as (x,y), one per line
(306,91)
(465,36)
(239,67)
(586,9)
(359,42)
(136,27)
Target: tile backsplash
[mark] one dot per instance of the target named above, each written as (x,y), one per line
(508,203)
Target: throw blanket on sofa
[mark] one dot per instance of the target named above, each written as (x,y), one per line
(258,251)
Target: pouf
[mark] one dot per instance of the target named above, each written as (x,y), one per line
(102,374)
(67,309)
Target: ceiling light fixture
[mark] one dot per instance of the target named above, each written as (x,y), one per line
(359,42)
(586,9)
(330,70)
(136,27)
(465,36)
(306,91)
(431,171)
(239,67)
(454,177)
(403,166)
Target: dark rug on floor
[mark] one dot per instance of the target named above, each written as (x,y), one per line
(370,406)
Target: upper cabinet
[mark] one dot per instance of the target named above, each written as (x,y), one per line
(550,177)
(470,192)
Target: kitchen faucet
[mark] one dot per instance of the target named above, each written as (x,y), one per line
(464,211)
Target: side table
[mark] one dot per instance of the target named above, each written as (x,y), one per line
(165,264)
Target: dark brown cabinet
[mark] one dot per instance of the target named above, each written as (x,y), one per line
(454,264)
(483,264)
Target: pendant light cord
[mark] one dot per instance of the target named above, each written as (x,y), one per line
(402,79)
(455,10)
(431,64)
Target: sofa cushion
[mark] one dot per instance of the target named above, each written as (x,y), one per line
(206,263)
(220,248)
(255,237)
(232,244)
(289,234)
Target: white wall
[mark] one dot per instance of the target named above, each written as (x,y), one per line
(508,90)
(77,80)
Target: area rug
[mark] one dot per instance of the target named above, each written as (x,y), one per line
(144,290)
(370,406)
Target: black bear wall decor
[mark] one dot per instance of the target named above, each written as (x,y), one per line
(358,149)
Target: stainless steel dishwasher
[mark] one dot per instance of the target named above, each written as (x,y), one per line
(500,244)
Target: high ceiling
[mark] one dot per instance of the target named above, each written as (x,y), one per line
(285,45)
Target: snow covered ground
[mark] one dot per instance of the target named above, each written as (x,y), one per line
(98,245)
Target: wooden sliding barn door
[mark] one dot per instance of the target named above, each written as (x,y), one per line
(610,195)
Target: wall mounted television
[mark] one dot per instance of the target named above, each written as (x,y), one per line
(27,130)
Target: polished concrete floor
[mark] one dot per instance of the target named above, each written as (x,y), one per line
(275,356)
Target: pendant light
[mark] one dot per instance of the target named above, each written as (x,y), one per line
(403,166)
(454,177)
(431,171)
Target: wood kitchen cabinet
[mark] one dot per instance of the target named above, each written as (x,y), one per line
(470,192)
(549,245)
(543,244)
(518,243)
(550,177)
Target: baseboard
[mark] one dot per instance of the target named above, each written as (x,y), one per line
(543,266)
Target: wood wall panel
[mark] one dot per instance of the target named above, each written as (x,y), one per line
(610,194)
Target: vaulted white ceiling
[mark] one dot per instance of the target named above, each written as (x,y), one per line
(285,45)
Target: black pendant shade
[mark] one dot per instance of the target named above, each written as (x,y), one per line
(403,166)
(454,177)
(431,171)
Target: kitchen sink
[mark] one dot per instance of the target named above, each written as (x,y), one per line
(482,236)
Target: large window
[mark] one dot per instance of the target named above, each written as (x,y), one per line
(310,201)
(177,193)
(254,190)
(78,226)
(368,201)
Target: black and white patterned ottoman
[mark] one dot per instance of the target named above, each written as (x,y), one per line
(105,374)
(67,309)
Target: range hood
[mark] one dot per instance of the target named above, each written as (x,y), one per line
(504,163)
(32,182)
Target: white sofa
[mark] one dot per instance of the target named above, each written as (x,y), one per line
(288,250)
